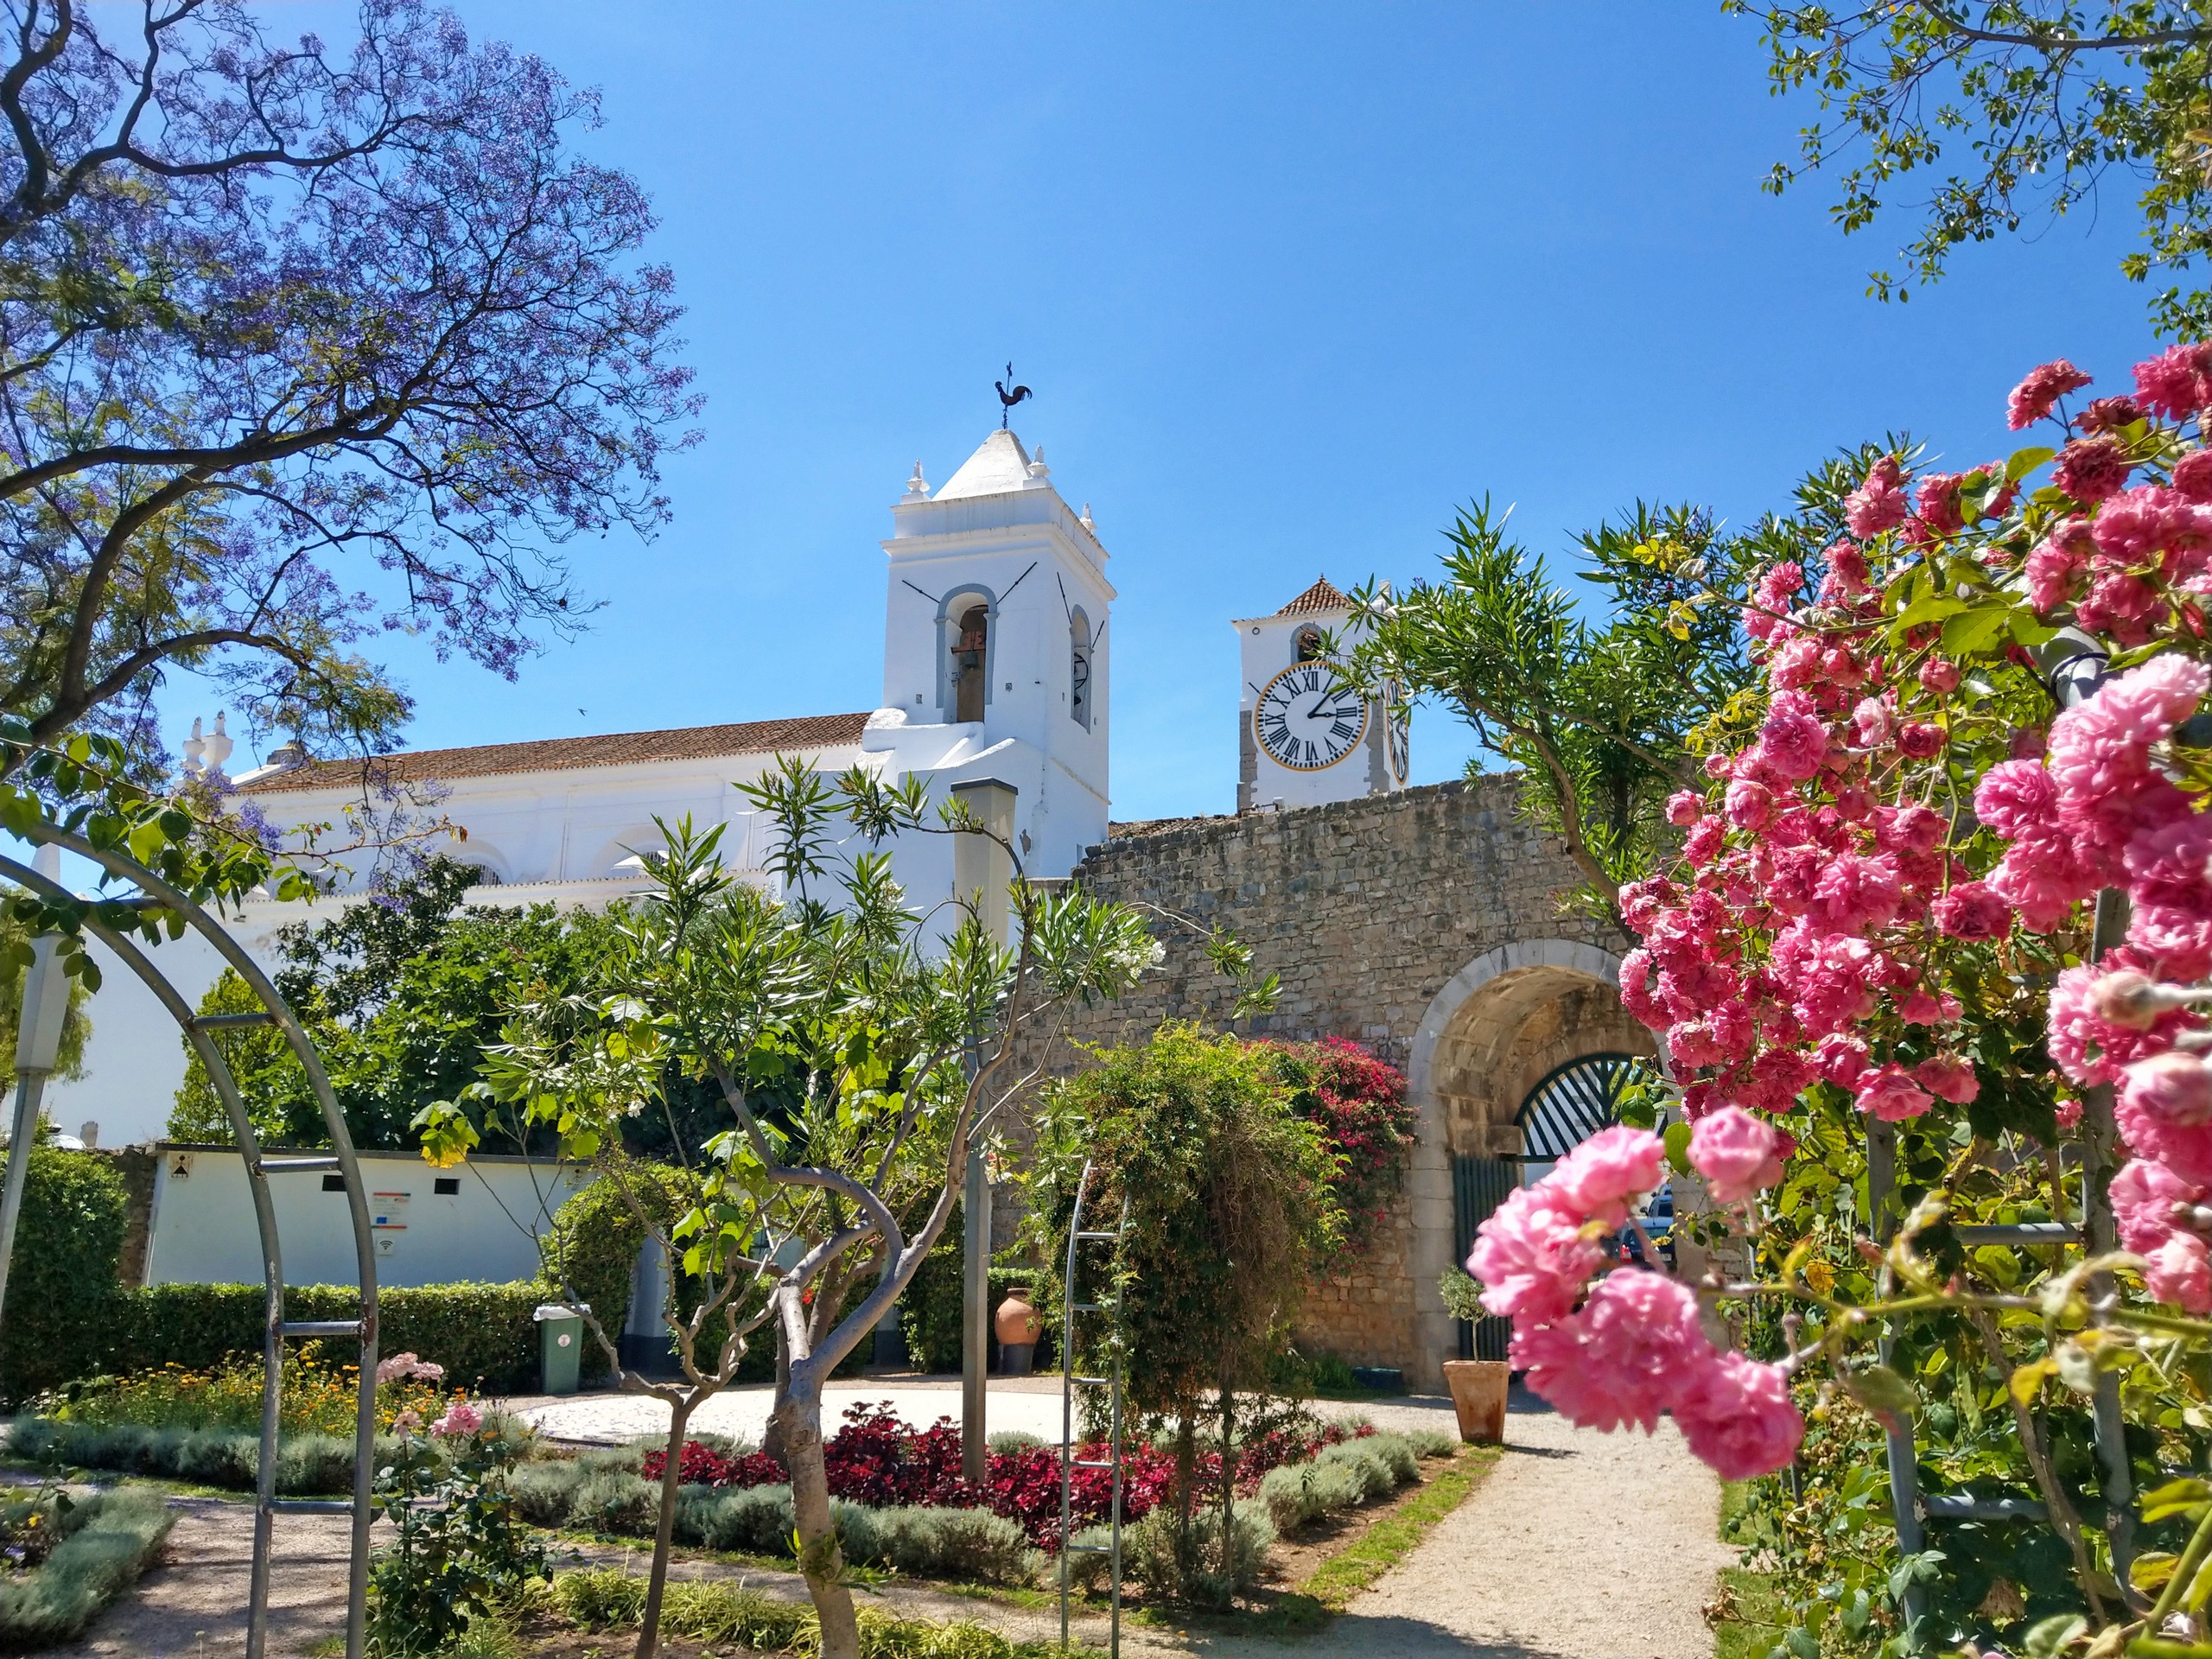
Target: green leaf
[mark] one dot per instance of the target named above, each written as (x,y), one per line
(1677,1142)
(2048,1638)
(1881,1389)
(1975,630)
(2024,461)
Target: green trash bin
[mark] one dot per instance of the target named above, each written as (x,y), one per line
(559,1345)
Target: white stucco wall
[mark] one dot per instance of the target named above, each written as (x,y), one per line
(485,1231)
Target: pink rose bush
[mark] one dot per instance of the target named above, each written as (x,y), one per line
(1629,1348)
(1944,888)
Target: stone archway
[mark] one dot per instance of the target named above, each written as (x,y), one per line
(1498,1026)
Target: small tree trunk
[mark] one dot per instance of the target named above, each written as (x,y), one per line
(1228,1480)
(671,1480)
(797,1422)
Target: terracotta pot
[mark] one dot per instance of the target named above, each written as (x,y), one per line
(1478,1395)
(1017,1323)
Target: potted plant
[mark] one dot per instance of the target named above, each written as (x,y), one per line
(1477,1386)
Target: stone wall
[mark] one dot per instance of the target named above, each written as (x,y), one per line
(1428,926)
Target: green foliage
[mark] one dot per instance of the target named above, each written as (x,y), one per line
(1340,1477)
(1212,1568)
(401,996)
(482,1334)
(2047,99)
(1462,1295)
(109,1539)
(1597,718)
(1230,1205)
(62,1282)
(930,1310)
(721,1613)
(76,1024)
(590,1252)
(458,1550)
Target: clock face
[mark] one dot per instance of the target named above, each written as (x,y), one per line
(1306,720)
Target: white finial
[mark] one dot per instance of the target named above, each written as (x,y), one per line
(219,745)
(918,488)
(194,747)
(1036,467)
(1085,520)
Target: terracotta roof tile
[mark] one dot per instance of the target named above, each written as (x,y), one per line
(1321,596)
(574,753)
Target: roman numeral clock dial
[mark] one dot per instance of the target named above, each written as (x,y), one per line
(1306,720)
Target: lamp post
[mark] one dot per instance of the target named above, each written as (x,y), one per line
(38,1044)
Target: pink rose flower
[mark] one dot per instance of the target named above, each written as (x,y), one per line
(1738,1417)
(2145,1197)
(1891,1094)
(1880,503)
(1736,1153)
(1948,1077)
(1599,1177)
(1684,808)
(461,1418)
(2172,1087)
(2193,475)
(2174,384)
(2044,385)
(1919,741)
(1971,911)
(2109,415)
(1623,1359)
(2179,1271)
(1531,1258)
(2092,470)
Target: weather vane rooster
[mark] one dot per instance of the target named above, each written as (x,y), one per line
(1009,395)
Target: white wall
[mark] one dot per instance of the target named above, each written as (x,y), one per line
(485,1231)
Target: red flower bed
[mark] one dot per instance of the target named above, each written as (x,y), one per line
(877,1460)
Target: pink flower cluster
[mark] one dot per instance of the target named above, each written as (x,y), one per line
(1830,883)
(461,1418)
(1632,1348)
(405,1367)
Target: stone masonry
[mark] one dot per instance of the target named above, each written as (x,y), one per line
(1426,925)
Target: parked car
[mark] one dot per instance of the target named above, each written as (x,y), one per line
(1657,1223)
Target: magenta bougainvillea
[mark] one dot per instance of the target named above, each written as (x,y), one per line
(1359,1104)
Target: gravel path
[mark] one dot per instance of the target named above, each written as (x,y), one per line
(1578,1546)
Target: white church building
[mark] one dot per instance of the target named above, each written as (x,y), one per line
(997,686)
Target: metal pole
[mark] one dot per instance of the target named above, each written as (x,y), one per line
(975,1321)
(38,1045)
(1903,1466)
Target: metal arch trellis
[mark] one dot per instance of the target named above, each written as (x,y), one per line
(1110,1304)
(1571,1103)
(156,893)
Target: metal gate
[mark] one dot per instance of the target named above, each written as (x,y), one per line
(1568,1105)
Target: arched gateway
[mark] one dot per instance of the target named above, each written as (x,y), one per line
(1426,925)
(1518,1058)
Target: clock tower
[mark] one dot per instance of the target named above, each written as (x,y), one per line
(1301,738)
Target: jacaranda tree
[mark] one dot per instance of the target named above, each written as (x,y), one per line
(298,345)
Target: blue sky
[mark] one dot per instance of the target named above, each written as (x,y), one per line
(1290,280)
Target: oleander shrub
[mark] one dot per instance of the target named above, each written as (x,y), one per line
(103,1543)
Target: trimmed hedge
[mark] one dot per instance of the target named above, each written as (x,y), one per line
(64,1289)
(482,1334)
(109,1539)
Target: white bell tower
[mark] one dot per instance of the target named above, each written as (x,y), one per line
(996,660)
(1300,742)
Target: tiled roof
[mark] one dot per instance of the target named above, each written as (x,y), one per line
(1321,596)
(572,754)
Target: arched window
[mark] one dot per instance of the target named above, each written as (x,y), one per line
(1079,669)
(1309,644)
(970,663)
